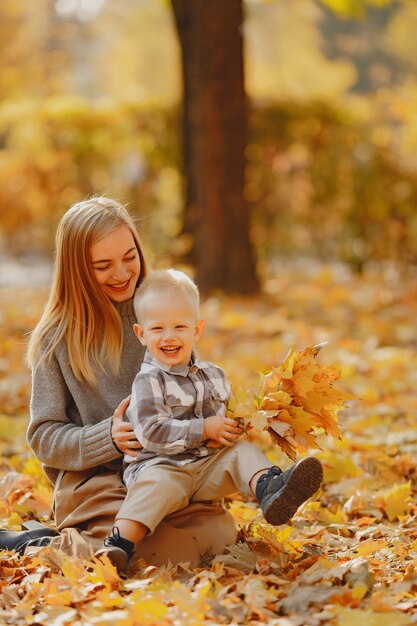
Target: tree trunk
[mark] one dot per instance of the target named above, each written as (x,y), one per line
(214,140)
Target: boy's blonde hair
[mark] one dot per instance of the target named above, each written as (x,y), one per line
(162,282)
(78,311)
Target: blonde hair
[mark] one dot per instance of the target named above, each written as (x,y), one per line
(78,311)
(162,282)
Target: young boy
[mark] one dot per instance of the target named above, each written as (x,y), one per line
(178,405)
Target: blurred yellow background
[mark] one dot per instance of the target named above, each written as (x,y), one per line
(90,94)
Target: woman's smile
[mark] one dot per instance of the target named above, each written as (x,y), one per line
(116,264)
(120,286)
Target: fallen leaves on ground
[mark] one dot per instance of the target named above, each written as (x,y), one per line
(349,555)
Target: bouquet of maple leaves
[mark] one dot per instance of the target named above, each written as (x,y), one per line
(296,402)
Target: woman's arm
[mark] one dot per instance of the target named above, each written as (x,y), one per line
(54,439)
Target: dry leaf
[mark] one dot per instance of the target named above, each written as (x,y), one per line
(300,393)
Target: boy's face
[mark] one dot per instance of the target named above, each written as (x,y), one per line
(169,328)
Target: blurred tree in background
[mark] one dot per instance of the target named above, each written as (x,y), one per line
(214,141)
(90,94)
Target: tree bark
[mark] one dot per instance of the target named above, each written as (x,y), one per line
(214,140)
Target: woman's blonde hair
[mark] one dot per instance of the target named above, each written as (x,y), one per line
(78,311)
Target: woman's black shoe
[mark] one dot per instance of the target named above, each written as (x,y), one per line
(19,540)
(281,493)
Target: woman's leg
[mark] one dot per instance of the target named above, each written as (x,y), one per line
(86,505)
(202,528)
(179,532)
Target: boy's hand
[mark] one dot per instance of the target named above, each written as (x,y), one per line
(222,429)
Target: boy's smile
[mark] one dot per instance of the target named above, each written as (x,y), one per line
(169,328)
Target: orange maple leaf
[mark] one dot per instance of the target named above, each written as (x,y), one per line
(296,400)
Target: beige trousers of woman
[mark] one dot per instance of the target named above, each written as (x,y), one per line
(86,504)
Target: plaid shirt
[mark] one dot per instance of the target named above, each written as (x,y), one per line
(167,410)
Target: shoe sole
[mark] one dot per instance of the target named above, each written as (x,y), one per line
(304,481)
(116,556)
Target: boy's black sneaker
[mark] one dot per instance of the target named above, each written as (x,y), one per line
(281,493)
(118,549)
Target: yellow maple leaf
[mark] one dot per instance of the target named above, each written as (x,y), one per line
(353,617)
(300,393)
(14,521)
(326,374)
(280,540)
(327,420)
(370,547)
(394,501)
(282,428)
(241,404)
(283,443)
(242,512)
(104,572)
(337,466)
(276,400)
(149,611)
(303,381)
(271,380)
(260,419)
(286,369)
(72,569)
(57,597)
(359,591)
(301,424)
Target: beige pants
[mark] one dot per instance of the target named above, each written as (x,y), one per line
(86,504)
(160,490)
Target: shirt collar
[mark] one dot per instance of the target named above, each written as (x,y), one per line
(180,370)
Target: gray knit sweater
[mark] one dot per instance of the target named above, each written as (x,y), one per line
(70,422)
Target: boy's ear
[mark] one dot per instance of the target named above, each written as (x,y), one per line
(199,327)
(139,333)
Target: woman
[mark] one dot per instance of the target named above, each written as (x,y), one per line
(84,356)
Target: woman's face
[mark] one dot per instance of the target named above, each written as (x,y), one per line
(116,264)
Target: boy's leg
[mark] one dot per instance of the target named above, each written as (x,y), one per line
(281,493)
(243,467)
(158,491)
(229,470)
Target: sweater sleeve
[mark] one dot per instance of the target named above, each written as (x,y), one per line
(154,423)
(54,438)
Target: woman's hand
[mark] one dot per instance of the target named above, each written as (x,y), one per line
(222,430)
(122,432)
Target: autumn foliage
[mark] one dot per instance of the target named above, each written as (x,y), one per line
(348,557)
(296,402)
